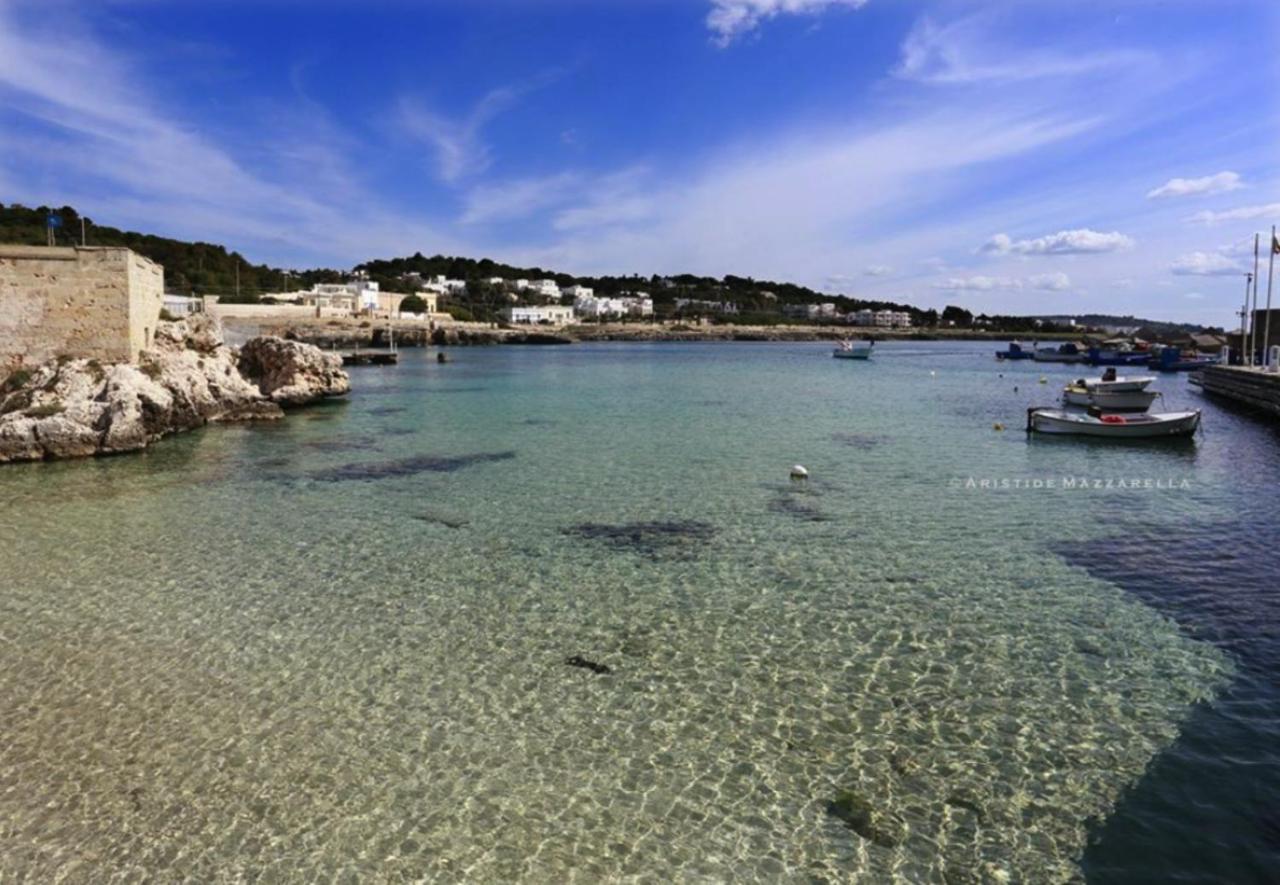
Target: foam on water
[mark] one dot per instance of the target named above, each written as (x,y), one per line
(216,669)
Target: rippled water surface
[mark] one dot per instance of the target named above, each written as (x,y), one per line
(335,648)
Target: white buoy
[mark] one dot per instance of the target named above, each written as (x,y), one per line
(798,472)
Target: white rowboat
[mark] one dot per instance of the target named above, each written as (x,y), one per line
(853,350)
(1113,426)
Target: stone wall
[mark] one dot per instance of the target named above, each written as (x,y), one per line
(94,303)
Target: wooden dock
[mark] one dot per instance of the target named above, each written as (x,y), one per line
(370,358)
(1254,388)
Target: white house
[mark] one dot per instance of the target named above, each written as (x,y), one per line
(538,315)
(864,317)
(576,292)
(544,288)
(693,304)
(892,318)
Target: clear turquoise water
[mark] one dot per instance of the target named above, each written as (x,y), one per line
(295,652)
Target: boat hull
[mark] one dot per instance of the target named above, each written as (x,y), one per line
(1049,356)
(852,355)
(1110,401)
(1120,385)
(1057,421)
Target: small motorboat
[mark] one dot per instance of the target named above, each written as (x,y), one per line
(853,350)
(1113,383)
(1066,353)
(1078,394)
(1015,352)
(1164,424)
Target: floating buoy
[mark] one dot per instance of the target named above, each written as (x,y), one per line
(1044,380)
(997,426)
(932,373)
(798,472)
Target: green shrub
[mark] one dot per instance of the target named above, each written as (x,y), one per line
(48,410)
(17,378)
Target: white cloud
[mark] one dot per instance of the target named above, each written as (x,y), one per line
(1186,187)
(978,284)
(1048,282)
(1194,296)
(1051,282)
(877,270)
(1271,211)
(1066,242)
(730,19)
(1206,264)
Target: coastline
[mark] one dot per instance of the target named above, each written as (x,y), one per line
(341,333)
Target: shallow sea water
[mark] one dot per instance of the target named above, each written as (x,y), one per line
(333,649)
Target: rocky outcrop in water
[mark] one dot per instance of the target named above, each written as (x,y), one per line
(72,408)
(291,373)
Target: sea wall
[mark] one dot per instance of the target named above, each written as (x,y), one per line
(78,303)
(1249,387)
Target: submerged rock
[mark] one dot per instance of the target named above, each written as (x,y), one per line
(649,538)
(406,466)
(858,814)
(452,522)
(579,661)
(291,373)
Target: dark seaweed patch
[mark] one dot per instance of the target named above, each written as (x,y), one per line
(863,441)
(407,466)
(594,667)
(453,522)
(647,538)
(341,444)
(791,505)
(538,422)
(386,410)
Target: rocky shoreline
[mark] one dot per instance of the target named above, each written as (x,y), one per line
(189,377)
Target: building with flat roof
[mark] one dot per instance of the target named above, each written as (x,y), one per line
(538,315)
(95,302)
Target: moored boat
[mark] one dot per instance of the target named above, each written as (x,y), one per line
(1171,359)
(1107,356)
(853,350)
(1078,394)
(1165,424)
(1117,383)
(1066,353)
(1015,352)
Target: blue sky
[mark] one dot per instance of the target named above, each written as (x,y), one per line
(1028,157)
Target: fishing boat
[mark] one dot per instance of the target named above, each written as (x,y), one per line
(853,350)
(1171,359)
(1108,356)
(1015,352)
(1078,394)
(1066,353)
(1164,424)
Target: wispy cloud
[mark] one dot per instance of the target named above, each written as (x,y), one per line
(961,52)
(1206,264)
(877,270)
(1067,242)
(730,19)
(1269,212)
(1187,187)
(144,161)
(509,200)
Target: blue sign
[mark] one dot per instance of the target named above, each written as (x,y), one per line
(55,221)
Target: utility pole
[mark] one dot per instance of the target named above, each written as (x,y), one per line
(83,242)
(1271,268)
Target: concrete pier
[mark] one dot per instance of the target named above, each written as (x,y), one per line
(1248,386)
(370,358)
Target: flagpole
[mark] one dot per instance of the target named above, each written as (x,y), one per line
(1271,267)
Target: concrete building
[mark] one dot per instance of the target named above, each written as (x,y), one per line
(543,289)
(889,319)
(538,315)
(96,302)
(693,305)
(181,305)
(576,292)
